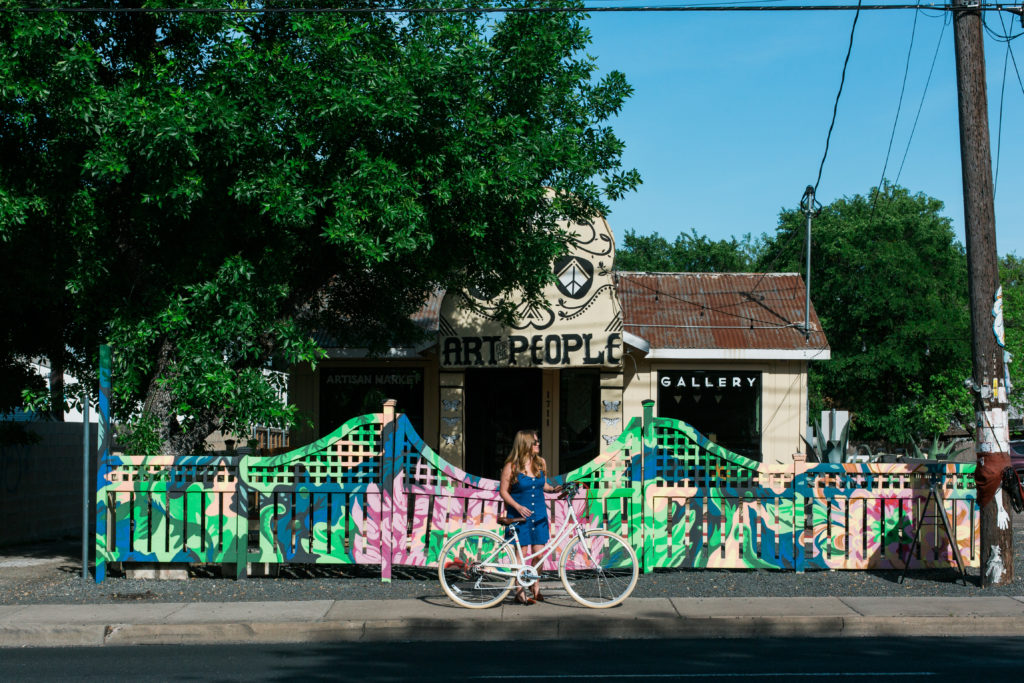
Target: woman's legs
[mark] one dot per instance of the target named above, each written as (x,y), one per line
(528,551)
(532,550)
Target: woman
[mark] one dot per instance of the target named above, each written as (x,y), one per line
(523,484)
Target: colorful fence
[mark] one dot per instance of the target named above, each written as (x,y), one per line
(373,492)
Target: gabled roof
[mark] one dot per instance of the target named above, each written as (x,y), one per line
(719,315)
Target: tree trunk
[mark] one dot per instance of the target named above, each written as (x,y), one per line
(174,440)
(57,385)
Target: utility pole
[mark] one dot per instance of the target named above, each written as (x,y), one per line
(991,431)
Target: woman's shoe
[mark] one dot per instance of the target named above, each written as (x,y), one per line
(523,600)
(538,597)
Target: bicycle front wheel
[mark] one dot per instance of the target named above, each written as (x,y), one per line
(476,569)
(599,570)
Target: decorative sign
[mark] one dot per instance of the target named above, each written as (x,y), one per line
(709,380)
(579,327)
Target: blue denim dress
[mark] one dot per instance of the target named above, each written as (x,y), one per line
(529,492)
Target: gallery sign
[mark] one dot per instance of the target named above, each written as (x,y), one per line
(708,379)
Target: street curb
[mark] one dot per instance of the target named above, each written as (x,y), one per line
(457,630)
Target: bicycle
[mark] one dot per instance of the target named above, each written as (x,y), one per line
(478,568)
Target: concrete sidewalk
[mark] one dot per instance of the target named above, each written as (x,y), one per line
(559,617)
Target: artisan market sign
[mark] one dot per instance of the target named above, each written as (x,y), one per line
(580,326)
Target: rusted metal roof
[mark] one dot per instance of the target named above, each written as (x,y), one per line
(721,311)
(429,315)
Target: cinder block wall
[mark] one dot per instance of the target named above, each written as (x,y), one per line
(41,484)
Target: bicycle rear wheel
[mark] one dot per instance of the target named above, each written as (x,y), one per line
(599,572)
(476,569)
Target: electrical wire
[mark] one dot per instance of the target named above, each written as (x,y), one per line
(1002,98)
(835,107)
(1007,38)
(658,293)
(920,105)
(1015,69)
(486,10)
(899,105)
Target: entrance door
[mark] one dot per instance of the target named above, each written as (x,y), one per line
(499,403)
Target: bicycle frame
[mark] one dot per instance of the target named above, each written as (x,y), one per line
(570,525)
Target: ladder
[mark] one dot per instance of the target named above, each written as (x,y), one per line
(939,503)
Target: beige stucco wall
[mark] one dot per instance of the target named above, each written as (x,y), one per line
(783,396)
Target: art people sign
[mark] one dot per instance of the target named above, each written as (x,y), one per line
(581,326)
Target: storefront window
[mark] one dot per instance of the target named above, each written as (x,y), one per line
(348,392)
(723,405)
(498,404)
(578,427)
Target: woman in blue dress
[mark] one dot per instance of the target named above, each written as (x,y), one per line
(523,485)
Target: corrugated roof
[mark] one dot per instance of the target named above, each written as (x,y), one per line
(429,315)
(717,310)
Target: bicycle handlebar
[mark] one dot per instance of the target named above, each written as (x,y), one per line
(569,490)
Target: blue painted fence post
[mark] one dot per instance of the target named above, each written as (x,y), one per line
(648,445)
(104,462)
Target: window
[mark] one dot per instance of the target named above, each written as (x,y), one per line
(578,427)
(723,405)
(498,404)
(348,392)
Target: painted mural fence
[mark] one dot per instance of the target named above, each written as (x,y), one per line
(372,492)
(707,507)
(163,509)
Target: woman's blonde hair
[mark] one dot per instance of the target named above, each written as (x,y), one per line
(522,453)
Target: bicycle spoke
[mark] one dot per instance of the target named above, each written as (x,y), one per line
(601,571)
(476,569)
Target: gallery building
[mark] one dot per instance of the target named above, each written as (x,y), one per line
(726,352)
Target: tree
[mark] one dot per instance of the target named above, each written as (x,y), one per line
(216,188)
(1011,276)
(690,253)
(889,284)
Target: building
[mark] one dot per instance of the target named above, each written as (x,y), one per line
(726,352)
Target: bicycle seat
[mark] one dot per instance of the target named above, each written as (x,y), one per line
(509,521)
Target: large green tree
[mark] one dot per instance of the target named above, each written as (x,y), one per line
(1011,277)
(889,284)
(213,188)
(689,253)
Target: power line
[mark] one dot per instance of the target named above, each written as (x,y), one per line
(920,105)
(487,10)
(835,107)
(899,105)
(705,307)
(1002,98)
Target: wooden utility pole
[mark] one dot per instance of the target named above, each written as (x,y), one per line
(992,435)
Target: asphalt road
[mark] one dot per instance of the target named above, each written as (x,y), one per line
(617,660)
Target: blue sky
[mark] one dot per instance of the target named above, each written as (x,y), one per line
(730,113)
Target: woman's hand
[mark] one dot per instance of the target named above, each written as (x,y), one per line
(525,511)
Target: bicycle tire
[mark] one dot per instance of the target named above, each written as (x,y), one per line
(461,580)
(601,572)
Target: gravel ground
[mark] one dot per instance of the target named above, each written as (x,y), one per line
(51,573)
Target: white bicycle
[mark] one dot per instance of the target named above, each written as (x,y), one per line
(478,568)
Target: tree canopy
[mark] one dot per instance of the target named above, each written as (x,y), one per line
(1011,276)
(207,191)
(689,253)
(889,284)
